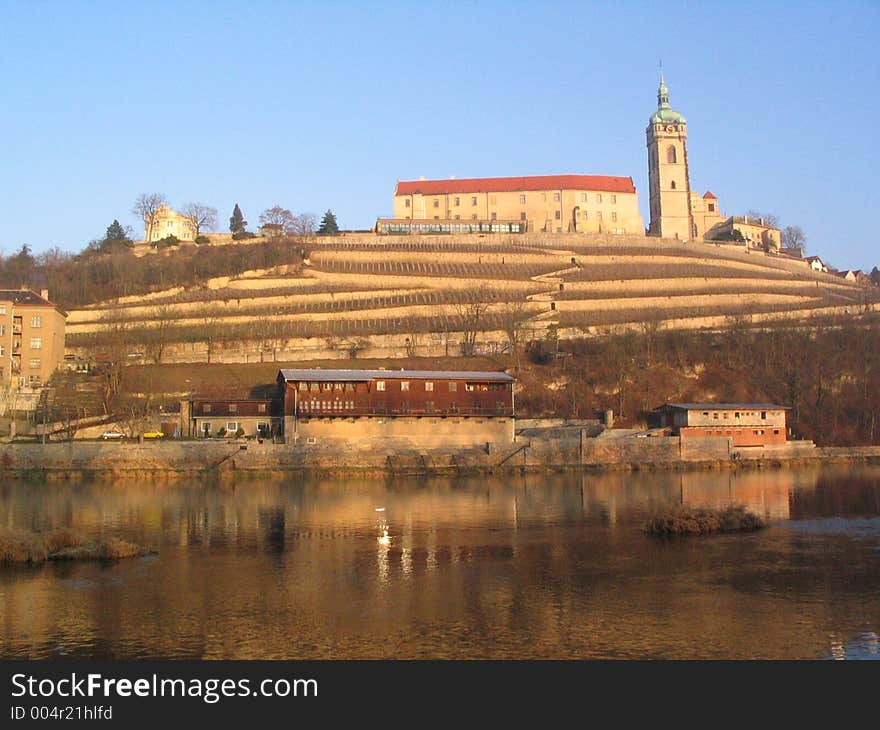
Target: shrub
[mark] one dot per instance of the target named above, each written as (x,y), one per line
(239,433)
(62,538)
(202,239)
(221,432)
(23,546)
(167,242)
(698,521)
(243,234)
(539,352)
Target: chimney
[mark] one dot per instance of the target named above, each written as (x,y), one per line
(45,294)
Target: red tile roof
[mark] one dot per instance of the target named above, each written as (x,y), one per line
(603,183)
(710,194)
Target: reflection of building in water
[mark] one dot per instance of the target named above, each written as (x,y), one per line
(839,492)
(544,566)
(766,494)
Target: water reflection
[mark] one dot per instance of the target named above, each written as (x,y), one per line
(532,566)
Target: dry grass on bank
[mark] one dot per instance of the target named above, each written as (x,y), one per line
(700,521)
(25,546)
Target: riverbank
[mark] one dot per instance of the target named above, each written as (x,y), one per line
(527,455)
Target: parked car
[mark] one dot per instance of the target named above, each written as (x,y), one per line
(153,435)
(112,434)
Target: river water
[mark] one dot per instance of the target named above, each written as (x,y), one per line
(535,566)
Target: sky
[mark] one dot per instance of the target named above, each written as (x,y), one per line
(326,105)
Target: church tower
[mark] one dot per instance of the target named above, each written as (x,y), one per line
(668,178)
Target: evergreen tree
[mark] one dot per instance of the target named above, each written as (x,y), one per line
(115,232)
(237,223)
(328,227)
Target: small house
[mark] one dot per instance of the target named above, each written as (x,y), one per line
(747,424)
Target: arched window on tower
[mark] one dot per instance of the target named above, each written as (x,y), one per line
(672,184)
(671,155)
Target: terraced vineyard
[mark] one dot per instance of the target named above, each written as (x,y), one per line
(379,296)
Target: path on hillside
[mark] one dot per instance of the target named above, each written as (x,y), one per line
(544,320)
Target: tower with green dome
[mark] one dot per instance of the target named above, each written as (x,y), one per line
(668,179)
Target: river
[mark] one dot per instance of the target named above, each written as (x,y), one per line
(534,566)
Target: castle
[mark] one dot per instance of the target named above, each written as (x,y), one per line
(581,203)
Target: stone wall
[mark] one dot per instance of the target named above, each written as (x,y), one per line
(134,460)
(401,432)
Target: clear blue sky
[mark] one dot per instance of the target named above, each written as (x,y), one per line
(327,104)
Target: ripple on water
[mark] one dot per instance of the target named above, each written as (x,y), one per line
(866,646)
(857,527)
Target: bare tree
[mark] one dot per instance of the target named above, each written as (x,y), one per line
(793,237)
(770,219)
(210,318)
(156,338)
(201,217)
(268,331)
(278,217)
(513,317)
(413,340)
(305,224)
(470,322)
(115,357)
(147,207)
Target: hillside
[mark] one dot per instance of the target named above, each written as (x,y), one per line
(828,374)
(374,296)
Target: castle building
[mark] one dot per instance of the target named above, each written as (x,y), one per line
(544,203)
(582,203)
(168,222)
(31,338)
(753,232)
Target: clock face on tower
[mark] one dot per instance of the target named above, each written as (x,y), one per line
(670,128)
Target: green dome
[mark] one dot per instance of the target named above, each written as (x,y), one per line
(665,114)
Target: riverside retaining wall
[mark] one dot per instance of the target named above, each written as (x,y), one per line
(188,457)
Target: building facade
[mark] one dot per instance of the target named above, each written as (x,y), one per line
(427,407)
(747,424)
(545,203)
(816,264)
(226,417)
(168,222)
(31,338)
(752,232)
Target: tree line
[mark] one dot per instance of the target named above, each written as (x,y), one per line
(108,269)
(827,372)
(279,221)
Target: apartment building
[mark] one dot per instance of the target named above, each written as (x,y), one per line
(31,338)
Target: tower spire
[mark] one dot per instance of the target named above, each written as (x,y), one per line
(662,92)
